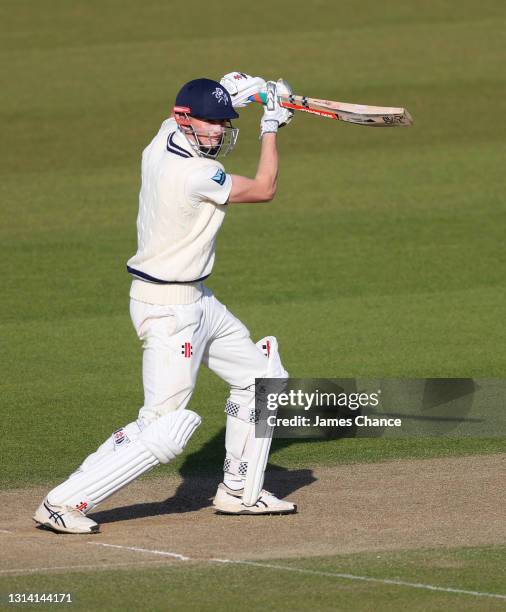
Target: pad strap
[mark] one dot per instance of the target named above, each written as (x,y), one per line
(237,468)
(244,413)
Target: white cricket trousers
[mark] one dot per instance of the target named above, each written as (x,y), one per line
(177,339)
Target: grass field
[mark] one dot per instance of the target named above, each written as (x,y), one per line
(382,254)
(317,580)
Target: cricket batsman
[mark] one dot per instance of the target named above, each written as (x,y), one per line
(184,196)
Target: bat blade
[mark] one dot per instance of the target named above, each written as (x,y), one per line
(360,114)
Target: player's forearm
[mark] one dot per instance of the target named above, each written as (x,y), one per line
(262,188)
(267,172)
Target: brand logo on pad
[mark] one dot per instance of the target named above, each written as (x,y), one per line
(187,350)
(119,437)
(81,506)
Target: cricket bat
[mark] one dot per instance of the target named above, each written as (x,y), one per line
(361,114)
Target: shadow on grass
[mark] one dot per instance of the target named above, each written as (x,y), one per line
(201,472)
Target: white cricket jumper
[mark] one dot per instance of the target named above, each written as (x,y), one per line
(181,208)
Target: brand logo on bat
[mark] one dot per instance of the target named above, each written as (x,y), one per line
(392,118)
(312,111)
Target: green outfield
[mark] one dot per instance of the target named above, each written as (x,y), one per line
(319,583)
(382,254)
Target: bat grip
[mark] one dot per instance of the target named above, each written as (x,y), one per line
(261,98)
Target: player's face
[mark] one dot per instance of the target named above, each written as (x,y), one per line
(209,131)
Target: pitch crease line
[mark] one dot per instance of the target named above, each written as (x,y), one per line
(56,568)
(415,585)
(143,550)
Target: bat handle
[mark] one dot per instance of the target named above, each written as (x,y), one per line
(261,98)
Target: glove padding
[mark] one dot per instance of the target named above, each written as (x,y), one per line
(241,86)
(275,116)
(284,89)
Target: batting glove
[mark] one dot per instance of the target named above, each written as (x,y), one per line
(241,86)
(275,116)
(284,89)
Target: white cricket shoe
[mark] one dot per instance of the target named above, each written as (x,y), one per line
(64,519)
(228,501)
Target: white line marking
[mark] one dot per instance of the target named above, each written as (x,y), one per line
(67,568)
(5,531)
(415,585)
(144,550)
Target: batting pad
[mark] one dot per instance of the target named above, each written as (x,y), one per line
(120,438)
(239,440)
(240,431)
(246,455)
(159,442)
(166,437)
(259,447)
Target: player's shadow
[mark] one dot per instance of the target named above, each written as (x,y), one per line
(201,472)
